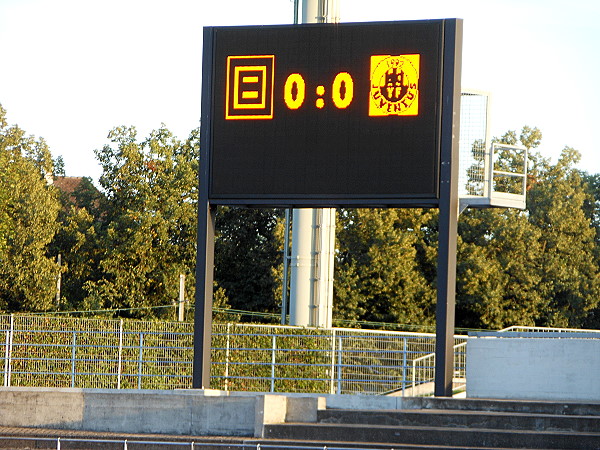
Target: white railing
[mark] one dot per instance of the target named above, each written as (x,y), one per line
(125,444)
(423,370)
(525,329)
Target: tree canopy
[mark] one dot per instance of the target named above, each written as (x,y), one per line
(124,244)
(28,221)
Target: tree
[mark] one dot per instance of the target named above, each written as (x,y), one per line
(28,211)
(378,272)
(533,267)
(248,257)
(149,223)
(77,239)
(571,281)
(592,205)
(498,270)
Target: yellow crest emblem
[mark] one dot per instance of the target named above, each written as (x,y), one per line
(394,85)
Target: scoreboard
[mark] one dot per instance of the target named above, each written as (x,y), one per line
(324,114)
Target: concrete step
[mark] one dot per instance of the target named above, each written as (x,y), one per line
(464,418)
(518,406)
(431,436)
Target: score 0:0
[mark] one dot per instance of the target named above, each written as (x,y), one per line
(342,91)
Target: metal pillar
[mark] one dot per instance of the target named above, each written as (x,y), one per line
(448,214)
(325,253)
(205,248)
(320,11)
(311,267)
(311,274)
(301,267)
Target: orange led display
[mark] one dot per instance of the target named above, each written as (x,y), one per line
(342,91)
(294,91)
(326,114)
(249,87)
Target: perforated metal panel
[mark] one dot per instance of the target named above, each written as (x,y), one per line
(474,140)
(490,175)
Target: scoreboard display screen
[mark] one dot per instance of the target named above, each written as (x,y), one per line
(324,114)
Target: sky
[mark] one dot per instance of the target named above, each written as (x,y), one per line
(71,70)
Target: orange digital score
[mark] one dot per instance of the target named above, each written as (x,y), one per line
(249,88)
(342,91)
(394,87)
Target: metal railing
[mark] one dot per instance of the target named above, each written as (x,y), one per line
(131,444)
(117,354)
(423,370)
(524,329)
(92,353)
(291,359)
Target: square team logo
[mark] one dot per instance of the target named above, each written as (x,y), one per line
(249,91)
(394,85)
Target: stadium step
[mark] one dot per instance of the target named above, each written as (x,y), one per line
(452,423)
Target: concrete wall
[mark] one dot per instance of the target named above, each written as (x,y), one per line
(176,412)
(533,368)
(183,412)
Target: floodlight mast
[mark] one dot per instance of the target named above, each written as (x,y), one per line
(313,231)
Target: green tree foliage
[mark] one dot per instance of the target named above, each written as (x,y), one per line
(247,253)
(570,282)
(378,275)
(78,242)
(125,245)
(149,224)
(533,267)
(28,221)
(498,269)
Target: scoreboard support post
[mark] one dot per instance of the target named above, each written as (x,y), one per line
(448,212)
(204,290)
(205,250)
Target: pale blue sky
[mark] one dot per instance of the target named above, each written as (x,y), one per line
(73,69)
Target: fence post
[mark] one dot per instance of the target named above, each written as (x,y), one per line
(140,360)
(227,346)
(332,381)
(339,384)
(405,348)
(120,366)
(6,357)
(73,367)
(8,352)
(274,341)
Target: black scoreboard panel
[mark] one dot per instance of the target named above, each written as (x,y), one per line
(324,114)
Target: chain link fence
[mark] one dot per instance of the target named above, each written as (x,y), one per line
(123,354)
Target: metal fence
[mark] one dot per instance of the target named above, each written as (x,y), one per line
(527,329)
(118,354)
(132,444)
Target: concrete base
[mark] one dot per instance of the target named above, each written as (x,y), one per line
(177,412)
(181,412)
(295,420)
